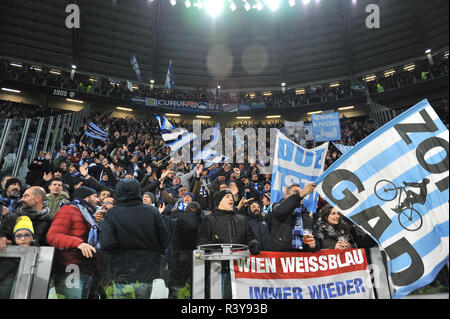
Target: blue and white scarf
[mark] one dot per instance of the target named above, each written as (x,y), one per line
(297,231)
(84,206)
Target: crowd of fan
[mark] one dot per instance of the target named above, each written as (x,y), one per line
(16,110)
(102,85)
(423,71)
(131,168)
(139,199)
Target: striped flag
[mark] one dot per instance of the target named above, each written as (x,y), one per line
(343,148)
(95,132)
(175,138)
(394,184)
(170,83)
(134,64)
(209,154)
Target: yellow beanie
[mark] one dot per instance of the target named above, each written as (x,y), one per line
(24,222)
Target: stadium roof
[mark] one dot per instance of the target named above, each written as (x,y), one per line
(321,41)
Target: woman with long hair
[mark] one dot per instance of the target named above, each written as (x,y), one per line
(333,232)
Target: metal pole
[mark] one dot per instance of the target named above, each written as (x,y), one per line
(21,146)
(47,136)
(61,132)
(36,138)
(5,133)
(58,120)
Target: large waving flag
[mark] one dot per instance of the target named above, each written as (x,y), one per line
(293,164)
(394,184)
(170,83)
(134,64)
(175,138)
(208,154)
(95,132)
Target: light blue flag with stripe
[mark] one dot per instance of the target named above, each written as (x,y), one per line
(208,154)
(170,83)
(394,184)
(175,138)
(343,148)
(294,164)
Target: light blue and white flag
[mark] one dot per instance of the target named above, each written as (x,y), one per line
(294,164)
(170,83)
(134,64)
(175,138)
(343,148)
(130,86)
(208,153)
(95,132)
(326,127)
(394,184)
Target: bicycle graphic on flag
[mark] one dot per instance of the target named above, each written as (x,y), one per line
(408,217)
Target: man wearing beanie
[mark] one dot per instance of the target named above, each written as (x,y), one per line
(225,226)
(74,228)
(12,194)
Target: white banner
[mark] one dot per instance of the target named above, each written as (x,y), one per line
(326,274)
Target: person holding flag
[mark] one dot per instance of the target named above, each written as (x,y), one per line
(289,219)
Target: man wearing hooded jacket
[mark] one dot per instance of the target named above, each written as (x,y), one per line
(132,224)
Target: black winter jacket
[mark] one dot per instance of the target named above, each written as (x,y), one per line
(282,221)
(132,224)
(226,227)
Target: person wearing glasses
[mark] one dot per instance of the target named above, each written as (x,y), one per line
(23,232)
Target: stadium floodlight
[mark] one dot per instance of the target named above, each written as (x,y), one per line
(10,90)
(273,4)
(173,2)
(124,109)
(291,3)
(199,5)
(75,101)
(187,3)
(232,5)
(306,2)
(258,6)
(74,66)
(247,6)
(214,7)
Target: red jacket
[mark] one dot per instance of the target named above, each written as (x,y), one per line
(69,228)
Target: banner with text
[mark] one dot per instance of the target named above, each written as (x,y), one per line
(326,274)
(394,184)
(326,127)
(294,164)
